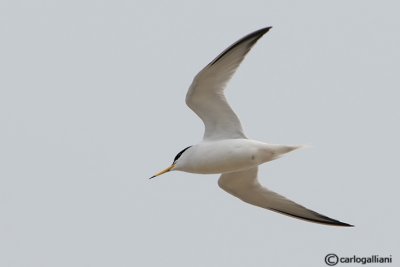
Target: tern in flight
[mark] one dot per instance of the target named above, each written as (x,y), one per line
(225,149)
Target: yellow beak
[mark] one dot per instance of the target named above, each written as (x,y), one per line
(170,168)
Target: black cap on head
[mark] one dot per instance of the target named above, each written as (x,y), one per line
(180,154)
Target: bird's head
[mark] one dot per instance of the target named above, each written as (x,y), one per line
(173,165)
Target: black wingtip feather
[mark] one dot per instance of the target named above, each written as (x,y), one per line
(324,219)
(254,35)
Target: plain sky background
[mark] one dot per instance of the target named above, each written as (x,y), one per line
(92,104)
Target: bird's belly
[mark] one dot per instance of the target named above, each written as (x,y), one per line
(223,157)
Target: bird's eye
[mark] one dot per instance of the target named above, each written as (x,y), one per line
(180,154)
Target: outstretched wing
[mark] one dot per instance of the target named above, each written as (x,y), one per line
(244,185)
(206,93)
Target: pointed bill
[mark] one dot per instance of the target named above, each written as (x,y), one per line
(170,168)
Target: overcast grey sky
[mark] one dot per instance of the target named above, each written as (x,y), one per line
(92,104)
